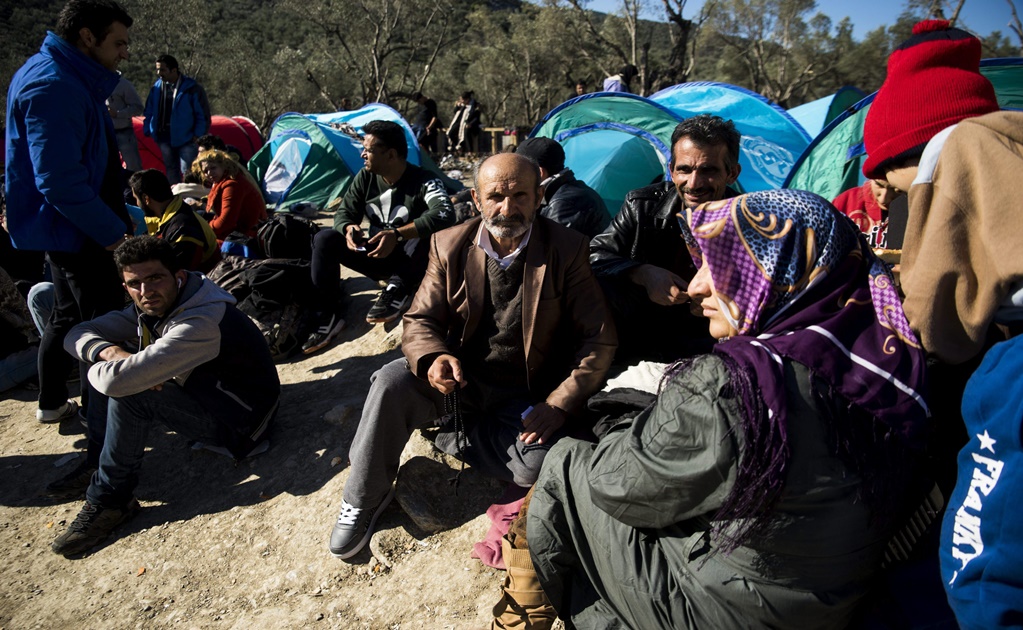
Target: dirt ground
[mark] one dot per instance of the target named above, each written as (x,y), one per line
(226,545)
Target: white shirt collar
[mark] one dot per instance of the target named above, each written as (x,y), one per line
(483,241)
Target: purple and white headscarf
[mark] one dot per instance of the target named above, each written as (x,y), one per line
(796,280)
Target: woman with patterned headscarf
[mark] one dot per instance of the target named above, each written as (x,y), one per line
(760,489)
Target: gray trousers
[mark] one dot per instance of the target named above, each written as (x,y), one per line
(398,403)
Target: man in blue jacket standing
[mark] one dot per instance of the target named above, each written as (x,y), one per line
(177,112)
(64,190)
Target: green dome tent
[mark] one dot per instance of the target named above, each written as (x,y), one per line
(615,142)
(833,162)
(312,158)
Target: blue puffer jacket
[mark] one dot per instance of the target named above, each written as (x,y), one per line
(189,117)
(57,129)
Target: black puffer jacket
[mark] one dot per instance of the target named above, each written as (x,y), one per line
(573,204)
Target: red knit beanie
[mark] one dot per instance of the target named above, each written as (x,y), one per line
(933,82)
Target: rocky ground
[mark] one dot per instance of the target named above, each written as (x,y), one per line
(221,544)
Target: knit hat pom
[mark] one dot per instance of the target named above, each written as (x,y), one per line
(930,26)
(933,82)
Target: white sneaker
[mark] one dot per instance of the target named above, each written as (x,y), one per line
(65,412)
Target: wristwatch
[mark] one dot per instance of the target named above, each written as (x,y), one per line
(397,235)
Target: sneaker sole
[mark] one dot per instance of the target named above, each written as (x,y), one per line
(67,415)
(390,318)
(382,320)
(369,531)
(326,340)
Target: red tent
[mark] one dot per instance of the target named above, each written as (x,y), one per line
(238,131)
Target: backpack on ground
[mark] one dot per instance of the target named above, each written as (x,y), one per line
(287,235)
(277,303)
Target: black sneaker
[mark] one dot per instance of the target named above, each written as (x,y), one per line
(72,485)
(354,527)
(390,305)
(330,325)
(91,526)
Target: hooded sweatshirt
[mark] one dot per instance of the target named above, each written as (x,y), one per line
(204,344)
(961,259)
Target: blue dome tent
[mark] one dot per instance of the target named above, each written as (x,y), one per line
(772,140)
(816,115)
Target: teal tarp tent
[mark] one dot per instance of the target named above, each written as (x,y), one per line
(311,158)
(816,115)
(834,160)
(1006,74)
(615,142)
(772,140)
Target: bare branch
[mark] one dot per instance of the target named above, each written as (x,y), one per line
(1015,25)
(955,14)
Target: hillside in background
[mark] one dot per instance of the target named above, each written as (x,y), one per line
(261,58)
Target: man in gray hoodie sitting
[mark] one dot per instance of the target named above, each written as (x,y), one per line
(182,355)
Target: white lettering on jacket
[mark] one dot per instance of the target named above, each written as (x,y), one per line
(967,543)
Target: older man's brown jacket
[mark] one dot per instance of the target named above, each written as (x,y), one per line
(568,334)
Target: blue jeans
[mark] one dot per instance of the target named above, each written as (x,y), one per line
(18,367)
(85,285)
(177,160)
(40,304)
(128,421)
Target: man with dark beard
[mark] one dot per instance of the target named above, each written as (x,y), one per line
(641,259)
(509,327)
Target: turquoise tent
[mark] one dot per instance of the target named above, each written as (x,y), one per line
(615,142)
(834,160)
(772,140)
(816,115)
(311,158)
(1006,74)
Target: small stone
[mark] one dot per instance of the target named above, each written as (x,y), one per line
(339,414)
(319,616)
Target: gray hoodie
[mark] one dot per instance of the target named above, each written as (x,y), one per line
(204,344)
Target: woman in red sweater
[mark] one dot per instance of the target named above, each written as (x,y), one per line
(235,203)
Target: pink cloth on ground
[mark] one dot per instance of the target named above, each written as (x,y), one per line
(501,516)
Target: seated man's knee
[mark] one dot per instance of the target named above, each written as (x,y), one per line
(325,239)
(527,470)
(393,376)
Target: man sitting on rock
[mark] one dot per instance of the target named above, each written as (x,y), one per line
(641,259)
(509,329)
(567,200)
(182,355)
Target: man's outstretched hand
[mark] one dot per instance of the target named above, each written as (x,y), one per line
(662,286)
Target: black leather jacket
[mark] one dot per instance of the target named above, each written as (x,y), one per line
(645,231)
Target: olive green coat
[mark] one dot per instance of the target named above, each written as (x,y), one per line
(618,531)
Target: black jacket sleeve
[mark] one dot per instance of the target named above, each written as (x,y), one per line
(619,247)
